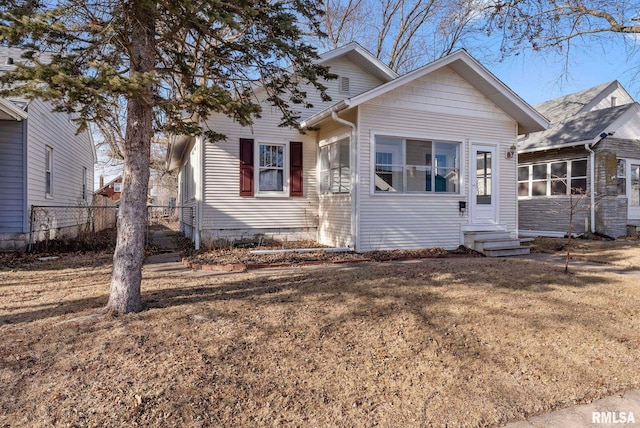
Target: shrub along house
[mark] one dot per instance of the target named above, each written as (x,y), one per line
(393,162)
(591,149)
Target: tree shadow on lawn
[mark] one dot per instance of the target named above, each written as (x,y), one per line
(364,281)
(50,310)
(29,261)
(375,282)
(326,326)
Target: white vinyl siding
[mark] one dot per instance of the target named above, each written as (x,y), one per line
(225,212)
(71,153)
(335,220)
(359,81)
(439,106)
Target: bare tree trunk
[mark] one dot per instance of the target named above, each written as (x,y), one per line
(132,217)
(572,209)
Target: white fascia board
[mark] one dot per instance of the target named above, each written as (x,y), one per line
(10,109)
(557,146)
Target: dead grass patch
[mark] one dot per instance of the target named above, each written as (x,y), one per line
(225,253)
(458,342)
(622,253)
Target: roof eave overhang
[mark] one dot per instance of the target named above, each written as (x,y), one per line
(324,114)
(13,112)
(178,145)
(356,53)
(558,146)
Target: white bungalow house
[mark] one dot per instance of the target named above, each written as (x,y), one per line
(393,162)
(43,161)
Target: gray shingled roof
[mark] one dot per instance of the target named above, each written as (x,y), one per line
(565,107)
(579,128)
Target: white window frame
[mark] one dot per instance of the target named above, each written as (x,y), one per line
(285,168)
(328,145)
(460,162)
(48,171)
(117,187)
(549,179)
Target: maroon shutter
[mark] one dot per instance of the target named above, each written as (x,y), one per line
(295,170)
(246,167)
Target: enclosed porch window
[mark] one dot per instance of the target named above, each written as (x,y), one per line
(335,171)
(405,165)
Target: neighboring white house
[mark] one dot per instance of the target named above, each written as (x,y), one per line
(414,161)
(42,161)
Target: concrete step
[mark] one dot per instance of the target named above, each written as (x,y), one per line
(481,244)
(506,251)
(488,235)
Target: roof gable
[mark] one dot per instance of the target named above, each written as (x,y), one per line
(566,106)
(580,129)
(528,119)
(581,117)
(363,58)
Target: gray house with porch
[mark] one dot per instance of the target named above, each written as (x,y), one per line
(590,156)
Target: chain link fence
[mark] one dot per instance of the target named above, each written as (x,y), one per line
(84,227)
(73,224)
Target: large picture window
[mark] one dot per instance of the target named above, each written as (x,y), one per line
(416,166)
(335,172)
(271,167)
(552,178)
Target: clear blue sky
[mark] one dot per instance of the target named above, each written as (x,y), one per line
(539,77)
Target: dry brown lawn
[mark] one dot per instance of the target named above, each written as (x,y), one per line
(457,342)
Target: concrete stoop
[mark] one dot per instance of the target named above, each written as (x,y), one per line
(496,244)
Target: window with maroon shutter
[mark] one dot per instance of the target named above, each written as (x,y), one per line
(295,169)
(246,167)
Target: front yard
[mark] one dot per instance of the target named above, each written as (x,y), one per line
(463,342)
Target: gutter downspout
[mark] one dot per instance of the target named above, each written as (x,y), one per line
(353,162)
(199,192)
(592,190)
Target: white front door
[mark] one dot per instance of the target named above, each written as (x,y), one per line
(483,195)
(633,189)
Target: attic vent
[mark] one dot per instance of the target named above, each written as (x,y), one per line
(9,61)
(344,85)
(613,101)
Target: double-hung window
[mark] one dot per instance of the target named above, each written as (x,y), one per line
(335,172)
(271,170)
(48,171)
(552,178)
(416,166)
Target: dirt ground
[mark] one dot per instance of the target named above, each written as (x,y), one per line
(457,342)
